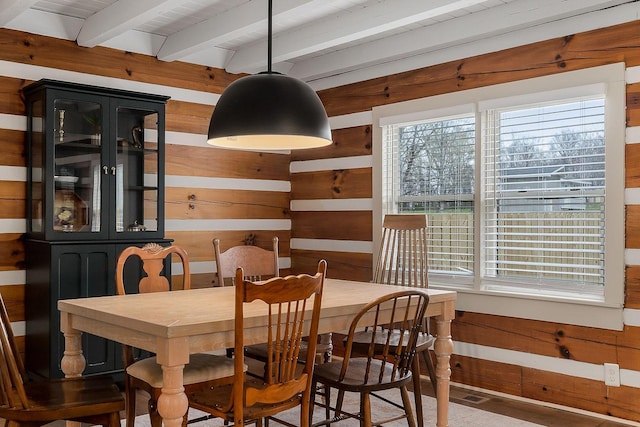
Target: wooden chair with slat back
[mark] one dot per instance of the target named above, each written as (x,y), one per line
(94,400)
(203,369)
(402,260)
(285,386)
(257,264)
(383,362)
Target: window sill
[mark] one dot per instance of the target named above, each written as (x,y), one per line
(571,312)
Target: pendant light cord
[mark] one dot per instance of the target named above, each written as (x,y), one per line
(269,36)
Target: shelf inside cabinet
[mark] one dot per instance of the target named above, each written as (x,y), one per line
(142,188)
(124,146)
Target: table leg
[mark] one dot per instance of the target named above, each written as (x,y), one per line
(73,361)
(443,349)
(173,354)
(173,402)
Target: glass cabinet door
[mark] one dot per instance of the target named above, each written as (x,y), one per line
(137,194)
(78,166)
(96,163)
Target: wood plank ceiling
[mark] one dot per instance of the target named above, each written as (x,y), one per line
(326,43)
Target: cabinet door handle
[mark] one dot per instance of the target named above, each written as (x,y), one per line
(113,170)
(105,170)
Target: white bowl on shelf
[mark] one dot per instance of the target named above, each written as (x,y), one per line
(62,178)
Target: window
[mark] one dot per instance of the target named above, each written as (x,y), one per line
(543,190)
(434,172)
(522,188)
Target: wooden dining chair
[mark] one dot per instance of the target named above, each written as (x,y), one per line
(258,264)
(403,261)
(94,400)
(293,305)
(385,362)
(203,369)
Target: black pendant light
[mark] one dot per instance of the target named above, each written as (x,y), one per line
(269,111)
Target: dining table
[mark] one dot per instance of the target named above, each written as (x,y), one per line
(175,324)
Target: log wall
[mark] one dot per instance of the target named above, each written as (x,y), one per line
(543,347)
(323,208)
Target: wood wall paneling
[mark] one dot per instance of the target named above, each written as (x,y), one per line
(188,117)
(202,203)
(632,168)
(632,288)
(582,393)
(13,296)
(633,104)
(12,198)
(632,214)
(11,101)
(487,374)
(628,348)
(347,142)
(332,184)
(340,265)
(207,161)
(335,225)
(13,147)
(536,337)
(11,252)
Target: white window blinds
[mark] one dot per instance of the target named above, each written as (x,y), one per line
(430,168)
(544,191)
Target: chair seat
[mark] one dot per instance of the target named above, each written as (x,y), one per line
(356,378)
(259,351)
(202,367)
(218,397)
(68,398)
(424,341)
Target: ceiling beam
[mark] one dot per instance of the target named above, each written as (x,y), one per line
(232,24)
(120,17)
(10,9)
(345,27)
(465,29)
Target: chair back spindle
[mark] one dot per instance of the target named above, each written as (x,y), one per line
(402,259)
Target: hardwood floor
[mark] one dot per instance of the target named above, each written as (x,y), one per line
(546,416)
(535,413)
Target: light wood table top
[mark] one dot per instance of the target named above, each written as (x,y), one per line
(178,323)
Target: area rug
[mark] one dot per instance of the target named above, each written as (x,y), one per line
(459,415)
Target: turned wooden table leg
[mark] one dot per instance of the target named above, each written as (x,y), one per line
(443,349)
(173,402)
(73,361)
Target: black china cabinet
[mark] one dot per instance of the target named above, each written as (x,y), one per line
(95,185)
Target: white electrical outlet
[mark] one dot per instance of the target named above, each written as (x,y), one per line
(612,374)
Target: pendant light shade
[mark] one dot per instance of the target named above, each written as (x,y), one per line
(269,111)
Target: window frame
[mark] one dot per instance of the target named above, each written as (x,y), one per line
(481,295)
